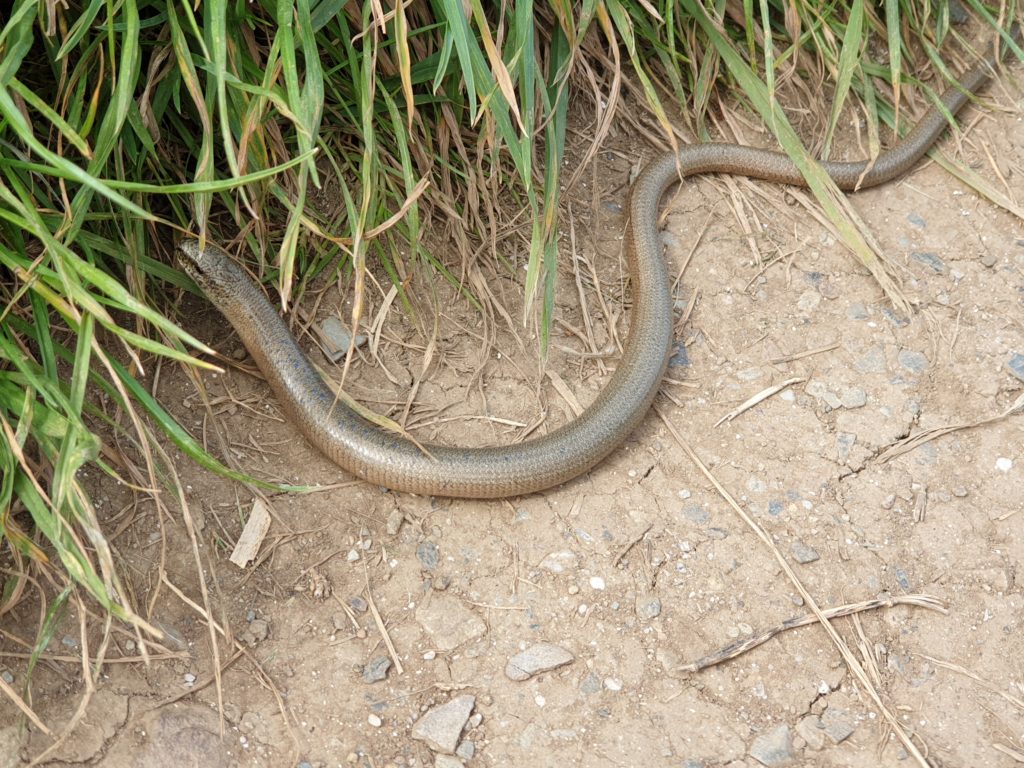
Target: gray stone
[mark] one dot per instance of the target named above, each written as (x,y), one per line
(1016,366)
(775,507)
(717,533)
(559,562)
(466,750)
(448,622)
(259,629)
(853,397)
(902,579)
(989,259)
(680,357)
(898,320)
(857,312)
(930,260)
(648,607)
(358,604)
(441,726)
(447,761)
(914,362)
(538,658)
(336,338)
(957,13)
(844,442)
(803,553)
(428,554)
(395,520)
(838,724)
(773,748)
(811,730)
(376,670)
(916,220)
(695,513)
(591,684)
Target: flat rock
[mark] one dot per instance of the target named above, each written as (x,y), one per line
(773,748)
(376,670)
(441,726)
(448,622)
(854,397)
(648,607)
(930,260)
(914,362)
(428,554)
(447,761)
(538,658)
(1016,366)
(812,731)
(803,553)
(559,562)
(838,724)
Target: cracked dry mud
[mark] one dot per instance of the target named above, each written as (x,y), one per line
(465,586)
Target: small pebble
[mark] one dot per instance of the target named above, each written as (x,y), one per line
(376,670)
(853,398)
(889,501)
(358,604)
(916,220)
(898,320)
(466,750)
(375,721)
(337,338)
(803,553)
(902,579)
(596,582)
(612,684)
(648,607)
(430,655)
(838,725)
(441,726)
(914,362)
(591,684)
(559,562)
(428,554)
(7,677)
(352,556)
(1004,464)
(1016,366)
(811,731)
(773,748)
(959,491)
(989,259)
(541,657)
(190,679)
(395,520)
(857,312)
(930,260)
(260,629)
(680,357)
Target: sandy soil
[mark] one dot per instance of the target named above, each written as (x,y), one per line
(640,567)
